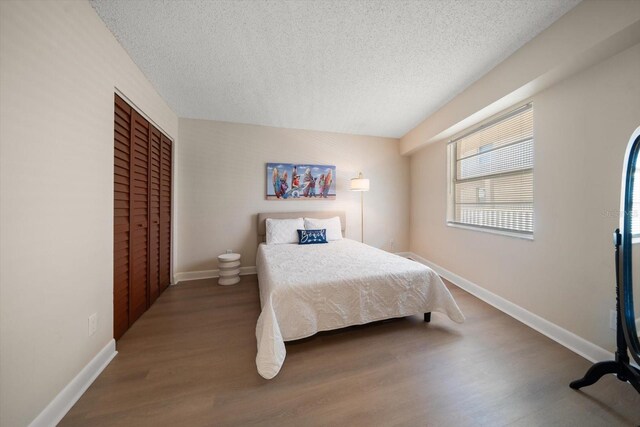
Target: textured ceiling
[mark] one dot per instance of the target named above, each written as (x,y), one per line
(361,67)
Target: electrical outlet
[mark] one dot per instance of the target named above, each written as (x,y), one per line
(613,321)
(93,323)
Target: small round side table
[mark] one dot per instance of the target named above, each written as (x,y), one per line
(229,265)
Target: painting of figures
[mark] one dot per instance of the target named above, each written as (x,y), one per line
(288,181)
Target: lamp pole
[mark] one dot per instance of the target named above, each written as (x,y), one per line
(362,216)
(360,184)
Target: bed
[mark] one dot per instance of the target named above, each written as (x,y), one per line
(305,289)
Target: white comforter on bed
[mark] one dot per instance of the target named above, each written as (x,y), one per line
(305,289)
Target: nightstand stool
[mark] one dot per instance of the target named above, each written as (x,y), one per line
(229,265)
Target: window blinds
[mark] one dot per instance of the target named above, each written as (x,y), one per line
(492,179)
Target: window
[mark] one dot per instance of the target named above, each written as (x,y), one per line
(491,175)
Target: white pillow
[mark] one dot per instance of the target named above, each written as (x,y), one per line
(281,231)
(332,225)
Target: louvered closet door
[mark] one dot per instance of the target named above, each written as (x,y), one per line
(165,213)
(142,215)
(138,300)
(121,214)
(154,214)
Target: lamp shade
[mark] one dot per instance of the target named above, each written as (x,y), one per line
(359,183)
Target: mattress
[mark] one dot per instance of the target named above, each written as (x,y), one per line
(305,289)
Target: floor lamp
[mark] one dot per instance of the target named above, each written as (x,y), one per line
(360,184)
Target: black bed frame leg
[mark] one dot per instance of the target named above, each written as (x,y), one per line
(427,317)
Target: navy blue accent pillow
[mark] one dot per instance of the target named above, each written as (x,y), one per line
(310,237)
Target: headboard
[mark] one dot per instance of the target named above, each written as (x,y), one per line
(262,219)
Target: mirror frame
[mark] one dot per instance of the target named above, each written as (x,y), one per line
(627,312)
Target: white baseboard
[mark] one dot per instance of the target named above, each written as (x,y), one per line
(60,405)
(573,342)
(208,274)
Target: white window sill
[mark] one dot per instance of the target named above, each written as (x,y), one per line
(528,237)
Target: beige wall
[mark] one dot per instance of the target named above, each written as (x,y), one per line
(58,69)
(566,275)
(221,186)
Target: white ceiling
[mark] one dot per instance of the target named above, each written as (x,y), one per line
(361,67)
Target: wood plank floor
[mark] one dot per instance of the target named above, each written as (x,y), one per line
(190,361)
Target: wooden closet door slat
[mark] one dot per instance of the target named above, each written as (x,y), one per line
(154,214)
(165,212)
(121,223)
(139,187)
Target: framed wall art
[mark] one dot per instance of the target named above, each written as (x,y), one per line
(289,181)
